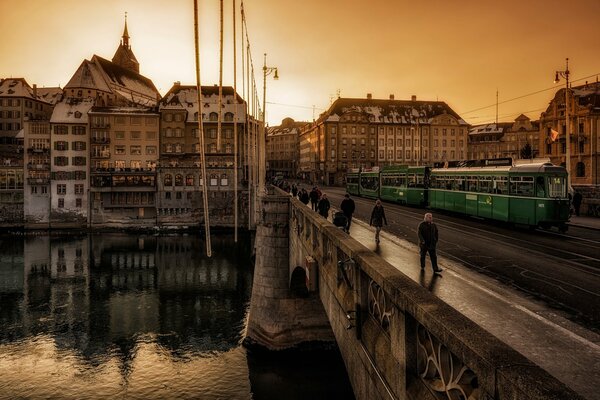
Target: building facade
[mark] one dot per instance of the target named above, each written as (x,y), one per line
(282,149)
(584,116)
(180,185)
(517,140)
(371,132)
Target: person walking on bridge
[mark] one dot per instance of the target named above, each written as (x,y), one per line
(324,206)
(428,238)
(314,198)
(377,219)
(348,208)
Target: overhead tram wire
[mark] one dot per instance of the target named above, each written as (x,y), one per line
(528,94)
(201,133)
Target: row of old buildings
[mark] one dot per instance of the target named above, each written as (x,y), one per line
(108,150)
(368,132)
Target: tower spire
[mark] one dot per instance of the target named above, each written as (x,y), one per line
(125,33)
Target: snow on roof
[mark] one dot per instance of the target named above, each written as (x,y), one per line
(72,111)
(88,76)
(15,87)
(50,95)
(186,98)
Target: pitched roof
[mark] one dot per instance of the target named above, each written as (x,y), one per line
(390,111)
(15,87)
(88,76)
(50,95)
(72,110)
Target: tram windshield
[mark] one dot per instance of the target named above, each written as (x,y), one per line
(557,187)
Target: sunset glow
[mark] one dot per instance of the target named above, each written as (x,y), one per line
(459,52)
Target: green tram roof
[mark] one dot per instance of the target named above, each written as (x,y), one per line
(402,168)
(518,169)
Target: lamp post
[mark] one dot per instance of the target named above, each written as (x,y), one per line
(565,74)
(261,145)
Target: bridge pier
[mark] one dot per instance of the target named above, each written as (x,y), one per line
(280,318)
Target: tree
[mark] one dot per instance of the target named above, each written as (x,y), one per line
(526,151)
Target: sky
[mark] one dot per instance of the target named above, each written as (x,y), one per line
(461,52)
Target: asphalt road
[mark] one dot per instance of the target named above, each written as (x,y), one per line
(561,269)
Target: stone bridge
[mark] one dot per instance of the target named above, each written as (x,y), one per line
(312,282)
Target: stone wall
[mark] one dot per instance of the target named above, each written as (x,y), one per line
(397,339)
(278,318)
(590,205)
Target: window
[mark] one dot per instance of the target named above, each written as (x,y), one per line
(344,154)
(178,180)
(78,130)
(61,203)
(224,180)
(119,149)
(151,150)
(120,135)
(34,190)
(214,180)
(332,154)
(78,188)
(168,180)
(136,120)
(549,148)
(135,150)
(78,203)
(61,188)
(580,170)
(61,145)
(189,180)
(79,146)
(168,195)
(78,161)
(61,130)
(61,161)
(136,135)
(151,135)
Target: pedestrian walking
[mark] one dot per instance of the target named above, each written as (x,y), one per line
(428,238)
(294,190)
(377,219)
(303,196)
(314,198)
(347,208)
(577,198)
(324,206)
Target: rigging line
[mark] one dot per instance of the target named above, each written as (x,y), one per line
(508,114)
(235,138)
(243,50)
(529,94)
(201,133)
(220,115)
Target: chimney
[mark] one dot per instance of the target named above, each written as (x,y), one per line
(391,97)
(369,96)
(34,91)
(177,83)
(413,98)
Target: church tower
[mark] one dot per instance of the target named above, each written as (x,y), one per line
(124,56)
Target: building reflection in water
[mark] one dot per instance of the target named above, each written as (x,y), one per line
(118,315)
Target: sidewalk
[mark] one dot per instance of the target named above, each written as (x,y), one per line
(585,222)
(565,350)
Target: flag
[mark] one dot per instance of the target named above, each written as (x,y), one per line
(553,135)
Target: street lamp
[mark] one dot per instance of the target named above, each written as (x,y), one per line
(261,146)
(565,74)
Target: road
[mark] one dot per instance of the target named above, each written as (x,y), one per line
(561,269)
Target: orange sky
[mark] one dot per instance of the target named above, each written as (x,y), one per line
(457,51)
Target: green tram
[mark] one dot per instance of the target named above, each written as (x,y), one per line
(533,195)
(352,181)
(404,184)
(369,183)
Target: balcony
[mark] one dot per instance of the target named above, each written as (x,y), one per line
(38,181)
(38,167)
(36,150)
(101,155)
(100,140)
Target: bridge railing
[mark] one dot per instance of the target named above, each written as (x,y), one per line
(399,340)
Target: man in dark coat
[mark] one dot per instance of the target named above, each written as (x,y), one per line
(348,208)
(294,190)
(303,196)
(428,238)
(324,206)
(314,198)
(377,219)
(577,198)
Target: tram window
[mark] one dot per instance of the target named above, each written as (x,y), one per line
(460,182)
(500,185)
(540,190)
(485,184)
(521,186)
(471,183)
(420,181)
(556,187)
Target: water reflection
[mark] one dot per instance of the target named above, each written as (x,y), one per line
(132,316)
